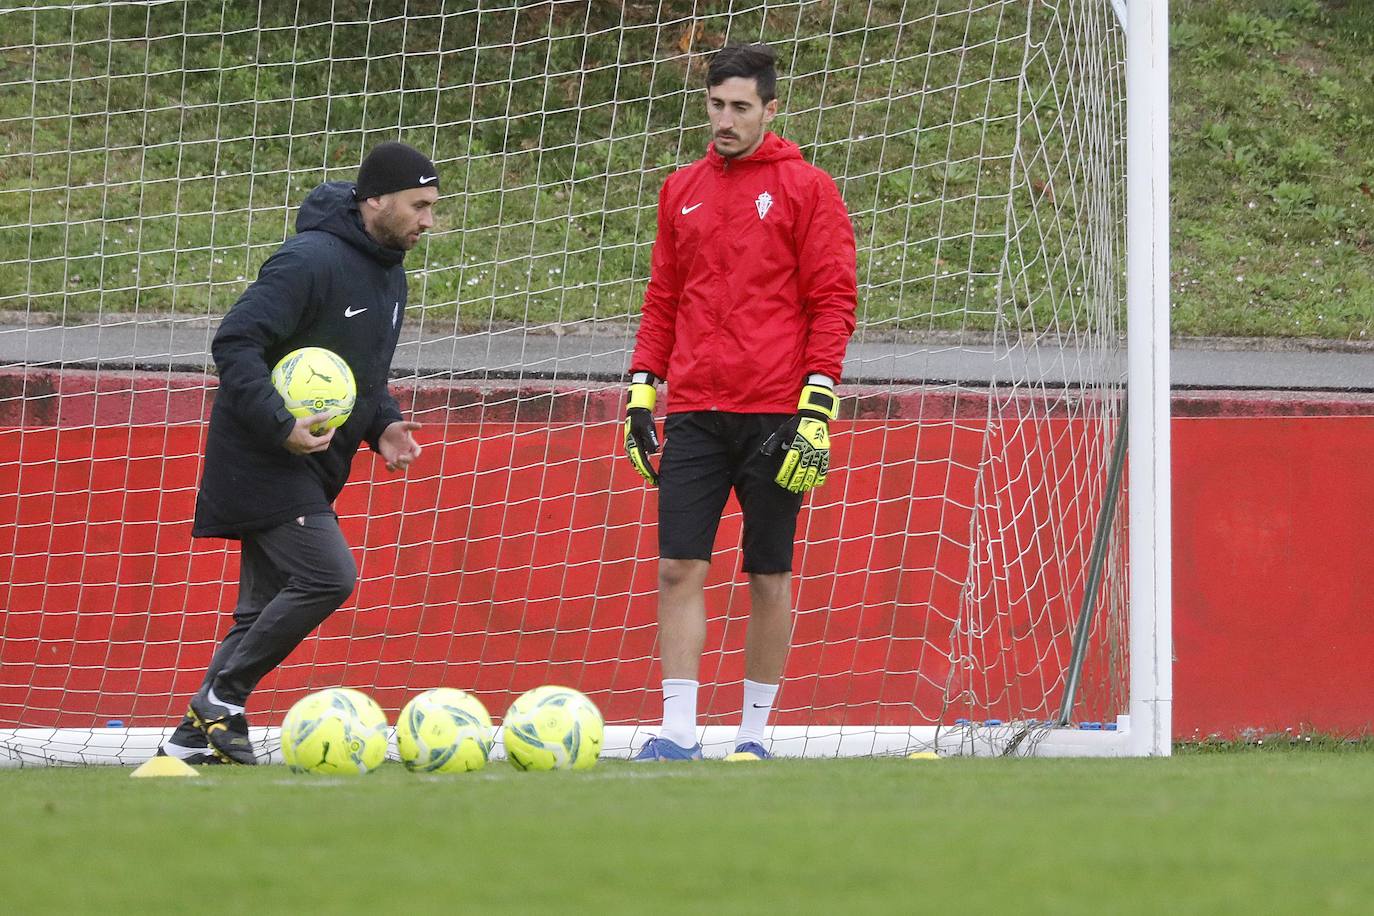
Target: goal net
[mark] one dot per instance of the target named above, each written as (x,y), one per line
(961,579)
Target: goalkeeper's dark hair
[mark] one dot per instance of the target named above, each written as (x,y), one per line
(752,62)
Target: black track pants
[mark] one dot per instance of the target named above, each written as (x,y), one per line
(290,579)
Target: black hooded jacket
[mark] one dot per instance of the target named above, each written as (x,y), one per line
(331,285)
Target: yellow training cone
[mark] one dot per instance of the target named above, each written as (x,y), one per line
(923,755)
(164,766)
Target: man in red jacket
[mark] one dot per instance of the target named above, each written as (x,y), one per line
(749,308)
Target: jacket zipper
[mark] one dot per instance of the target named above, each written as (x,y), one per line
(720,324)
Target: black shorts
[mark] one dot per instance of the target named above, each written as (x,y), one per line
(706,453)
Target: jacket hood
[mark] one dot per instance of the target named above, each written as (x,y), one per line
(332,208)
(772,149)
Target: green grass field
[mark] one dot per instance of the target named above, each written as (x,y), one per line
(1240,832)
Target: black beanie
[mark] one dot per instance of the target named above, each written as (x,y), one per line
(394,167)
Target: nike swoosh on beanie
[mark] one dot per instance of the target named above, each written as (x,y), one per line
(394,167)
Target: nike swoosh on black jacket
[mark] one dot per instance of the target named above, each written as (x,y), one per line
(250,482)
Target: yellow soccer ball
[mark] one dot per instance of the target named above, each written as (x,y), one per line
(339,731)
(444,731)
(553,728)
(313,380)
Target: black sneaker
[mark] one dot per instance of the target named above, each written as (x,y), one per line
(189,745)
(194,758)
(226,732)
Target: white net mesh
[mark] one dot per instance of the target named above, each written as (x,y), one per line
(152,155)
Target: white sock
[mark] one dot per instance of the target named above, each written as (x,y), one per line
(180,752)
(680,711)
(233,710)
(758,704)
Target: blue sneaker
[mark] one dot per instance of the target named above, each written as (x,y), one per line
(750,750)
(663,749)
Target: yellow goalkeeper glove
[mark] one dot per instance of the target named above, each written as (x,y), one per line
(807,440)
(641,440)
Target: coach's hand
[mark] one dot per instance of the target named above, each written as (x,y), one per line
(302,441)
(398,446)
(807,440)
(641,440)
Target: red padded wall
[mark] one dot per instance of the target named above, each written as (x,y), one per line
(1273,574)
(525,539)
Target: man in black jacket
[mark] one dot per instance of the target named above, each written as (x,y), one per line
(268,481)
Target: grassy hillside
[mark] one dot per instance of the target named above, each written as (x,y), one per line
(1273,167)
(154,162)
(169,154)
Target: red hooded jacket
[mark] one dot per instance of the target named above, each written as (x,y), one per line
(753,282)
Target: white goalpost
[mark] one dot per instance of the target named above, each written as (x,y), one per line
(987,569)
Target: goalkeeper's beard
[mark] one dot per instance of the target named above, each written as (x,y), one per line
(731,146)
